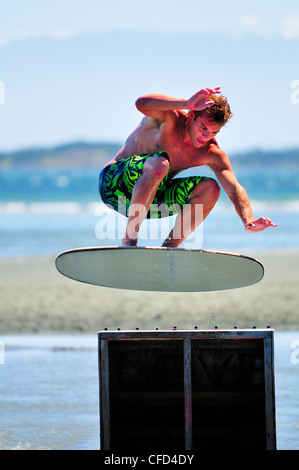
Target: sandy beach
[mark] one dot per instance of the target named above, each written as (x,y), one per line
(36,298)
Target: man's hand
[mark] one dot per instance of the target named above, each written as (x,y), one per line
(260,224)
(200,100)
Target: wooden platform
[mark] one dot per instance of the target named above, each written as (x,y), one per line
(187,389)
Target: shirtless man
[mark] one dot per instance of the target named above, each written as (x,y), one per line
(139,180)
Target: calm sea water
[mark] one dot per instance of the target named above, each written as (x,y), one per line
(49,384)
(49,392)
(48,211)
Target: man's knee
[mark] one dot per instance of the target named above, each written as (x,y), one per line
(157,167)
(213,187)
(208,186)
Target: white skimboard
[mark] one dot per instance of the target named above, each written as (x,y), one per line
(159,269)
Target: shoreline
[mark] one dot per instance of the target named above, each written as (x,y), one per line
(35,298)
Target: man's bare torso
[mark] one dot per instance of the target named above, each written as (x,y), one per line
(189,141)
(152,136)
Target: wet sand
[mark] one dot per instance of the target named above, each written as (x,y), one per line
(34,297)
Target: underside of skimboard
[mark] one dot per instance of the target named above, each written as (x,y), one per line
(159,269)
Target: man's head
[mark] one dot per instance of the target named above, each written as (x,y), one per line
(204,125)
(219,112)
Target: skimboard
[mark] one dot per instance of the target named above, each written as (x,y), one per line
(159,269)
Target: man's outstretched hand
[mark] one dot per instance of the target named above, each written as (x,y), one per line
(201,100)
(260,224)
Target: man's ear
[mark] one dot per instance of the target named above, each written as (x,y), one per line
(192,114)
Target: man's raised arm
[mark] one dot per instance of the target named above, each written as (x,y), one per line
(155,105)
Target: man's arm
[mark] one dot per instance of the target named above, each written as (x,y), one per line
(156,106)
(237,194)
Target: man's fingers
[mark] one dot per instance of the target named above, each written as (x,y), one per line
(213,90)
(260,224)
(267,221)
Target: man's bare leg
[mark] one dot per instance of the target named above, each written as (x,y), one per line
(154,170)
(206,194)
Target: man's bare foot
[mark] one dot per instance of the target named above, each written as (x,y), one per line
(129,242)
(170,243)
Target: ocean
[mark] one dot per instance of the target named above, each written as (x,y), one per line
(49,392)
(49,383)
(45,211)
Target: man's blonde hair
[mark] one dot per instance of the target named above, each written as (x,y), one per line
(219,112)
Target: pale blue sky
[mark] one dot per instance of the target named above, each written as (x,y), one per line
(21,18)
(67,77)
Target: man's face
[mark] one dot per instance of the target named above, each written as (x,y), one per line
(202,129)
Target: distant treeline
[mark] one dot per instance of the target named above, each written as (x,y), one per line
(82,155)
(268,158)
(73,155)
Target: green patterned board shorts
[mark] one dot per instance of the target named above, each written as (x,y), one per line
(116,183)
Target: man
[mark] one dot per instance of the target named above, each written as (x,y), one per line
(139,181)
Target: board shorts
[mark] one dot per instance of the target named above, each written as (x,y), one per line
(117,181)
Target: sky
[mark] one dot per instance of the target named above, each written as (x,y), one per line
(71,70)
